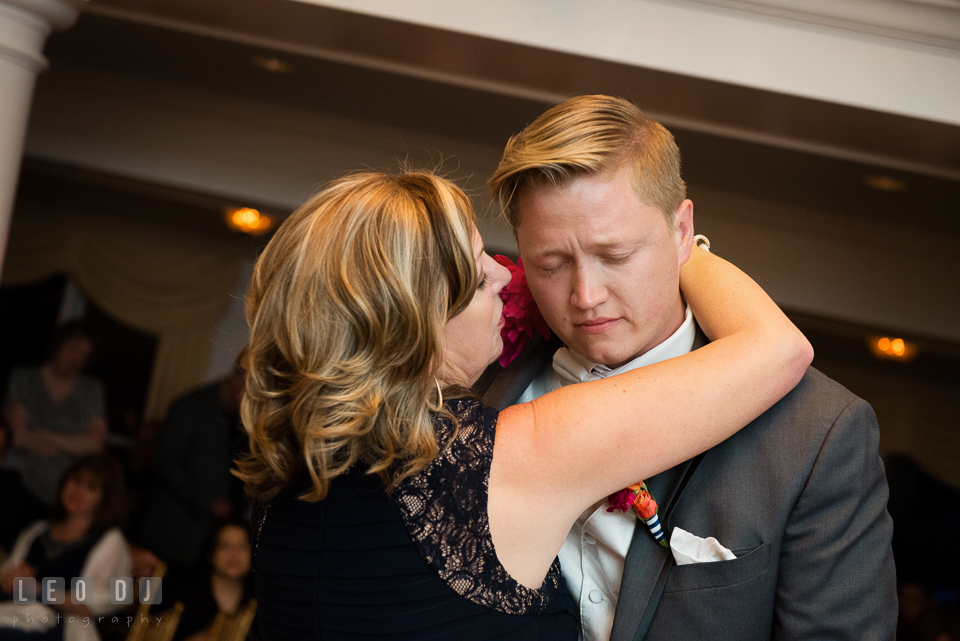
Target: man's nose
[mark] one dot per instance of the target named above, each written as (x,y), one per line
(588,289)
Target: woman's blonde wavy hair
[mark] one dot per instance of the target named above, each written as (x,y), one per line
(346,309)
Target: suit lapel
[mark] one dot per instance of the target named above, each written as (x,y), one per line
(645,558)
(648,563)
(500,387)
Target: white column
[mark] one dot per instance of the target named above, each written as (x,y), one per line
(24,27)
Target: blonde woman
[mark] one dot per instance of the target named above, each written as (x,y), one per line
(395,505)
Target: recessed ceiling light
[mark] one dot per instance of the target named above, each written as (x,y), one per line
(885,183)
(274,65)
(248,220)
(895,349)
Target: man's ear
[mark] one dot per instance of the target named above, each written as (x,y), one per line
(683,230)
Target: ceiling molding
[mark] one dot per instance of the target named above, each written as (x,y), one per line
(930,22)
(706,41)
(546,76)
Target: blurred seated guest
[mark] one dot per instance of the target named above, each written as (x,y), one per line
(941,622)
(193,486)
(926,517)
(143,561)
(223,584)
(82,538)
(56,412)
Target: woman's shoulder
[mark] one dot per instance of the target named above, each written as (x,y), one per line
(465,436)
(472,408)
(24,540)
(473,419)
(110,548)
(112,536)
(26,372)
(465,444)
(465,449)
(23,379)
(444,508)
(35,529)
(111,543)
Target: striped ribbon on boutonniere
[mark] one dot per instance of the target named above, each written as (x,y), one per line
(637,498)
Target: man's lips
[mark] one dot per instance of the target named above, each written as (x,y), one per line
(596,325)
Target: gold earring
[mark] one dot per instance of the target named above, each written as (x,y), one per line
(439,405)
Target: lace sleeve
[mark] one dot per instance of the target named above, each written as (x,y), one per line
(444,508)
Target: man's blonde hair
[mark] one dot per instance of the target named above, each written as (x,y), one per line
(346,308)
(591,135)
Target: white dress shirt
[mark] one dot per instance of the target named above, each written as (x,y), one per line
(593,554)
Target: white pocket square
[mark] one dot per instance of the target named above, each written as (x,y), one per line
(688,548)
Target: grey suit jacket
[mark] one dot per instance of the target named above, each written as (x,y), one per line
(799,496)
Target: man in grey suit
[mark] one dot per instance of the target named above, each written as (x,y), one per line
(798,497)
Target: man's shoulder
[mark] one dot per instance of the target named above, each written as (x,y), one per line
(774,456)
(816,392)
(797,427)
(816,396)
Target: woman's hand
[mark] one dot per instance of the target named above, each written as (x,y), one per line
(88,442)
(143,560)
(39,442)
(729,305)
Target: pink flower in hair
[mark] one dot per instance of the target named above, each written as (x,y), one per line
(521,317)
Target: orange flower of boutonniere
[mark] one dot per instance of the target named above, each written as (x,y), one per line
(638,498)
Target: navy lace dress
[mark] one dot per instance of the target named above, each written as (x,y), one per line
(418,564)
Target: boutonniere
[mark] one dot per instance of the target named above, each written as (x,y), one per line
(521,317)
(637,498)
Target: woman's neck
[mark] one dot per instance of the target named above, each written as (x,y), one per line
(227,591)
(59,383)
(73,528)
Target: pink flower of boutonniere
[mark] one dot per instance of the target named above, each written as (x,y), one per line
(637,497)
(521,317)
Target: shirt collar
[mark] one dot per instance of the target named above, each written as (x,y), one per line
(573,368)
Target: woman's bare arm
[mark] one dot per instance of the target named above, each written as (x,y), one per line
(583,442)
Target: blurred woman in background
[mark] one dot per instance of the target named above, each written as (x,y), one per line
(56,412)
(223,584)
(82,538)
